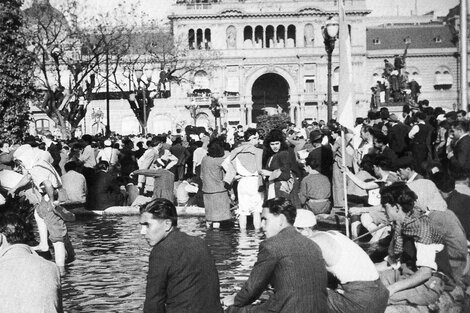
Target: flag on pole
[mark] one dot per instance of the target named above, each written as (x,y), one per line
(345,115)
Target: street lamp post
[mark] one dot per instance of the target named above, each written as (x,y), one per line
(148,74)
(330,31)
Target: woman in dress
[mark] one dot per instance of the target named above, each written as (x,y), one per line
(216,198)
(277,166)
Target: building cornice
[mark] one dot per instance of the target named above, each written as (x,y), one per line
(263,15)
(412,53)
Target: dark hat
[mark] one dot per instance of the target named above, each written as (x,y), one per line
(452,115)
(315,135)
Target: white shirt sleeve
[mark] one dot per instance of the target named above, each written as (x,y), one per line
(413,131)
(426,254)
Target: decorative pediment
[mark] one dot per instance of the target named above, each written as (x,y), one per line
(231,12)
(310,10)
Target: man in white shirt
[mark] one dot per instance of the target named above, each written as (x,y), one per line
(74,184)
(108,154)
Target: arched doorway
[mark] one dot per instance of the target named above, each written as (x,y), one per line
(270,94)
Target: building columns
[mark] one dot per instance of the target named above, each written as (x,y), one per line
(249,112)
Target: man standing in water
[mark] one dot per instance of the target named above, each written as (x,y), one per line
(182,276)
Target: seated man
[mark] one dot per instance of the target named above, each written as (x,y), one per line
(289,262)
(29,282)
(74,184)
(360,289)
(182,276)
(417,264)
(315,189)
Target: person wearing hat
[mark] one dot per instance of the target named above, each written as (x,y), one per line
(398,135)
(360,289)
(321,153)
(108,154)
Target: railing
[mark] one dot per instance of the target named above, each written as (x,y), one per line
(198,6)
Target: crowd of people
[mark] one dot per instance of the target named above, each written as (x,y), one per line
(407,186)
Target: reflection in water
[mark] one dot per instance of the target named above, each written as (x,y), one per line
(109,274)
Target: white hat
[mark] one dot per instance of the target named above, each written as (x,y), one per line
(441,117)
(305,219)
(107,143)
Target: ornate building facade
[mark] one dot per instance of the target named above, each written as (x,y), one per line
(271,58)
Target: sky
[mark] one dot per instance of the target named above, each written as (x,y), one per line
(160,8)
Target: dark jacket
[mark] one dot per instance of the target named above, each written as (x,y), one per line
(182,277)
(293,265)
(398,137)
(461,158)
(104,192)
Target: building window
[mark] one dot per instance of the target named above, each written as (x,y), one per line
(248,37)
(407,40)
(290,36)
(199,36)
(191,39)
(201,80)
(259,32)
(270,36)
(376,41)
(443,80)
(42,125)
(413,74)
(335,79)
(280,36)
(310,85)
(207,39)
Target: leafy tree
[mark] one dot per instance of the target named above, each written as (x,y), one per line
(162,60)
(16,68)
(266,123)
(71,50)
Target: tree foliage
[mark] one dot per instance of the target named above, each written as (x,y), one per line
(71,51)
(164,60)
(266,123)
(16,68)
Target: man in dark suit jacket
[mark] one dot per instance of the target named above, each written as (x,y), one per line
(292,264)
(459,157)
(398,136)
(182,277)
(53,149)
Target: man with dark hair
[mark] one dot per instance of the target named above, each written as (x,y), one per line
(425,189)
(291,263)
(417,263)
(182,276)
(456,201)
(381,146)
(420,135)
(321,153)
(450,223)
(74,184)
(29,282)
(315,189)
(53,149)
(398,135)
(459,157)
